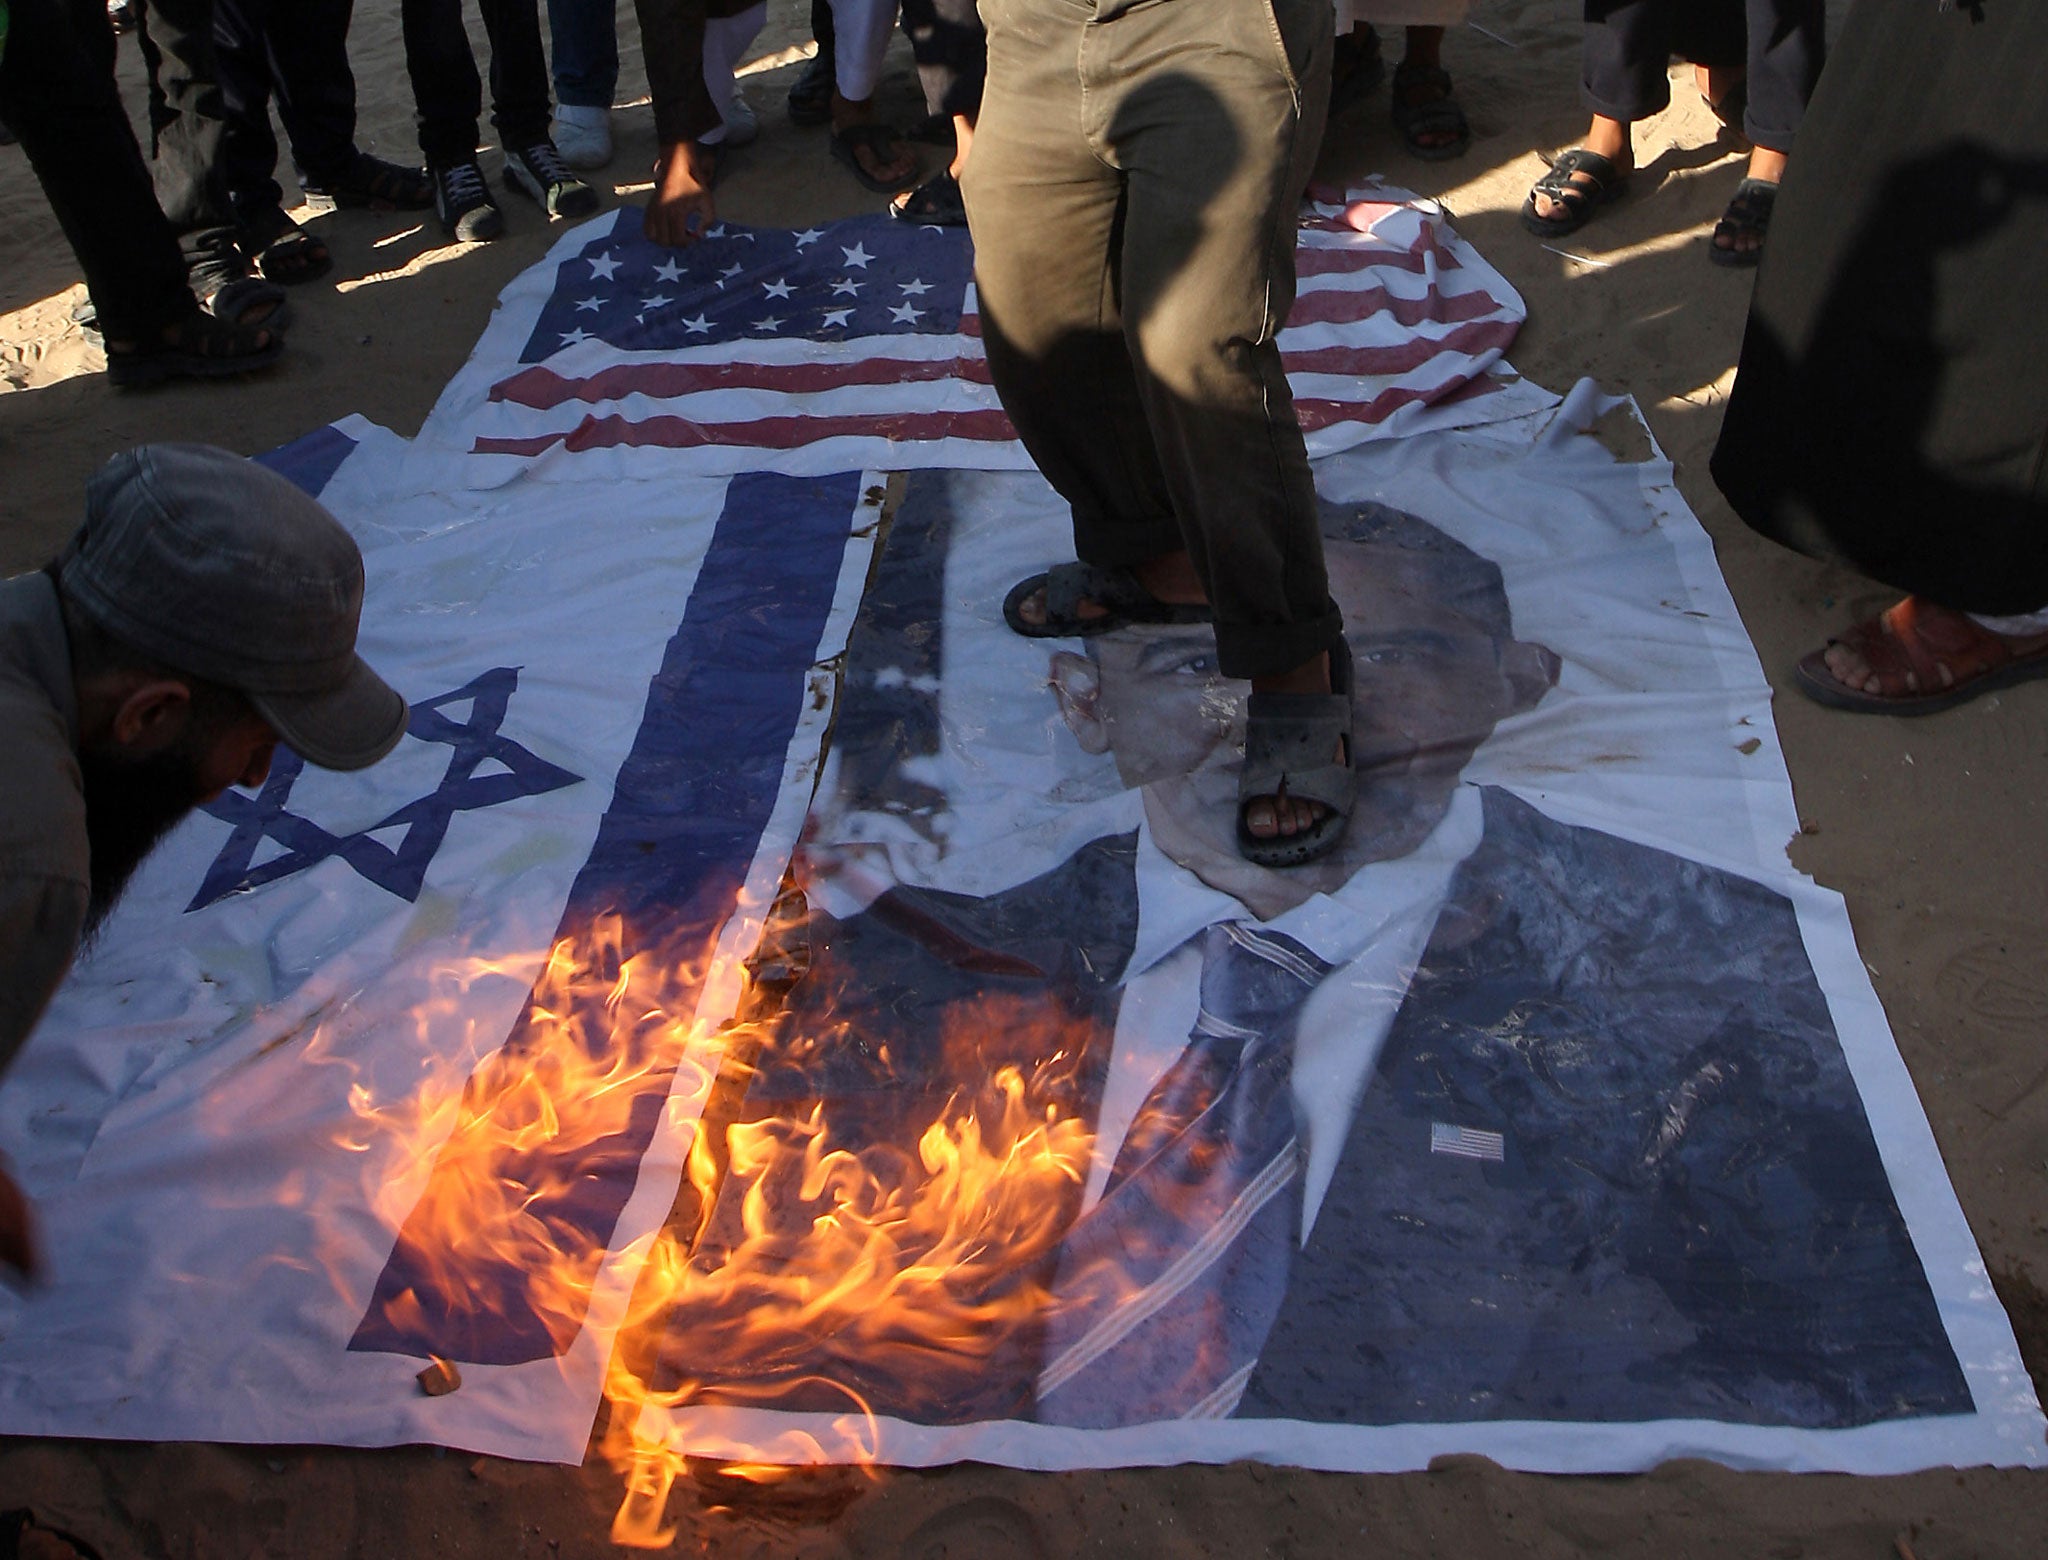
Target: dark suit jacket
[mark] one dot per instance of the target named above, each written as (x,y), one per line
(1690,1218)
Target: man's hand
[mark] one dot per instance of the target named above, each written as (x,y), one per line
(17,1230)
(680,210)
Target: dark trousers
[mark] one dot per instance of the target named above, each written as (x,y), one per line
(296,50)
(187,123)
(57,94)
(585,38)
(1133,194)
(1629,44)
(951,51)
(445,85)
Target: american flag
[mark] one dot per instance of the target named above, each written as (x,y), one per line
(860,339)
(1467,1142)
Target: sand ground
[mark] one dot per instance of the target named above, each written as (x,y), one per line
(1934,830)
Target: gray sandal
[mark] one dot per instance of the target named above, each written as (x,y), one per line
(1117,591)
(1288,740)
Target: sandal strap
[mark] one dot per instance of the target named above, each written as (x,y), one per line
(1117,592)
(1599,172)
(1288,740)
(1750,206)
(1900,642)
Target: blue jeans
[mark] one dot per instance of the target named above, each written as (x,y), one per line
(585,34)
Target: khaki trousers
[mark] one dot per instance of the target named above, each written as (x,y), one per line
(1132,191)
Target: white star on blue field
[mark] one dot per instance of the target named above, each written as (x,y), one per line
(868,276)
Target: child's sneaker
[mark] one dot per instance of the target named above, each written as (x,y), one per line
(463,202)
(538,172)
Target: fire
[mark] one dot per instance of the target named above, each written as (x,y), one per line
(889,1262)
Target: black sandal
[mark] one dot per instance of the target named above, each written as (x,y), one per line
(883,143)
(198,346)
(936,201)
(370,183)
(1748,215)
(1433,115)
(280,250)
(1356,69)
(1288,740)
(1116,591)
(1602,182)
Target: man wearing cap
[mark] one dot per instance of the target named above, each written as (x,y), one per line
(204,612)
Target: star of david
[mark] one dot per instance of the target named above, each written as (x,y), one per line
(399,869)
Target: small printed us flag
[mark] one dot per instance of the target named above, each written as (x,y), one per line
(857,345)
(1467,1142)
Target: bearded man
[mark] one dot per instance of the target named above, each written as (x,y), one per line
(205,611)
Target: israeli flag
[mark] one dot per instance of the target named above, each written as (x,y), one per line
(617,705)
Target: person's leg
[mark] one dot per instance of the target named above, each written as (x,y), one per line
(519,72)
(726,39)
(519,112)
(1045,212)
(810,95)
(188,122)
(1428,116)
(861,30)
(951,49)
(1215,163)
(248,146)
(449,97)
(57,92)
(585,38)
(1787,46)
(446,89)
(1623,56)
(316,89)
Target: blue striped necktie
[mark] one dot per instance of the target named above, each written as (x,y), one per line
(1168,1286)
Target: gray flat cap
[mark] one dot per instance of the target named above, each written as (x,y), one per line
(222,568)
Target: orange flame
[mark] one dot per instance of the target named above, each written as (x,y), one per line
(807,1263)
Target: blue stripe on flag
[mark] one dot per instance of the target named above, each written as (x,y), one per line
(310,460)
(691,801)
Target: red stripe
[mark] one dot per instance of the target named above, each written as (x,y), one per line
(1348,306)
(542,387)
(781,433)
(1315,415)
(1319,260)
(1385,362)
(771,433)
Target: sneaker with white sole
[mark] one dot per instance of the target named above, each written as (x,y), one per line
(463,202)
(538,172)
(583,135)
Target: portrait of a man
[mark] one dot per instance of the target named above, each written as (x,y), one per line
(1484,1116)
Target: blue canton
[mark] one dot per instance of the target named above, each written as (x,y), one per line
(866,276)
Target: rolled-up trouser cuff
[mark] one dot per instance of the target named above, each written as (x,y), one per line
(1251,650)
(1124,544)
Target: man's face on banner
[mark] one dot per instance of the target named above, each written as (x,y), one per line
(1430,684)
